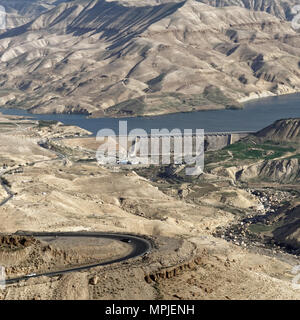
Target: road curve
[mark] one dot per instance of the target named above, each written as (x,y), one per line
(140,246)
(6,189)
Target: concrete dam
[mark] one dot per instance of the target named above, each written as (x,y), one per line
(218,140)
(212,141)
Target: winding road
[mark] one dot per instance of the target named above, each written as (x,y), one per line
(10,194)
(140,246)
(6,189)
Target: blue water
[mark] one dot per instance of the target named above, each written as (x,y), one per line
(256,115)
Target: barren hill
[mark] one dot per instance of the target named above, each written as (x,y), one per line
(20,12)
(289,231)
(120,58)
(282,130)
(281,9)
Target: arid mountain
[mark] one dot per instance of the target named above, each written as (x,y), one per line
(283,171)
(281,9)
(285,168)
(20,12)
(272,154)
(282,130)
(113,59)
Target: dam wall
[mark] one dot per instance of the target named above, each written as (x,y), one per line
(217,141)
(212,142)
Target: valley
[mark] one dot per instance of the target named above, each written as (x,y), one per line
(74,227)
(213,226)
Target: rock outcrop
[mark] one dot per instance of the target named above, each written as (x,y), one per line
(170,272)
(13,242)
(284,170)
(288,233)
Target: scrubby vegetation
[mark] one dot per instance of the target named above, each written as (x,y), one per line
(249,150)
(46,123)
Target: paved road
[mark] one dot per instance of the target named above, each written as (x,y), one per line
(140,246)
(6,189)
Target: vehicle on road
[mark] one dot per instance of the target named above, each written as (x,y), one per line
(126,240)
(30,275)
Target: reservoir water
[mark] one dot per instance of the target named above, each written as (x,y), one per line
(256,115)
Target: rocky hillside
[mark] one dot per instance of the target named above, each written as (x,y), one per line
(282,130)
(281,9)
(110,58)
(272,155)
(15,242)
(289,231)
(20,12)
(282,171)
